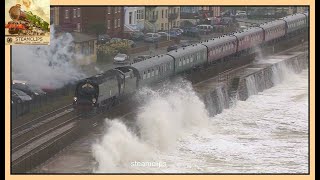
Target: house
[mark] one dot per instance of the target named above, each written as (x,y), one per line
(91,20)
(134,18)
(156,18)
(84,44)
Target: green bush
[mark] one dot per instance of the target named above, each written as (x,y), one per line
(106,52)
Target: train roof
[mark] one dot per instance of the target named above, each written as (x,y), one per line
(190,49)
(152,62)
(294,17)
(271,24)
(218,40)
(247,31)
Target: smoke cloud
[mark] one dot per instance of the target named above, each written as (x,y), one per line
(47,66)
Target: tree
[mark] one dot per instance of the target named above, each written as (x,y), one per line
(106,52)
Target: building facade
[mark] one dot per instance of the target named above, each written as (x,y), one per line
(174,16)
(92,20)
(159,18)
(156,18)
(193,12)
(54,16)
(134,18)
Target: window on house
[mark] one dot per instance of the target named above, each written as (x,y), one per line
(66,14)
(108,24)
(130,17)
(78,12)
(91,47)
(78,27)
(138,14)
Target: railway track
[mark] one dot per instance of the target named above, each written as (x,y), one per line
(21,124)
(35,135)
(25,133)
(34,145)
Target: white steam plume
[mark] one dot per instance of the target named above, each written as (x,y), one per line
(46,66)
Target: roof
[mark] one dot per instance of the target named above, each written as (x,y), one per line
(294,17)
(247,31)
(218,40)
(272,24)
(81,37)
(152,62)
(190,49)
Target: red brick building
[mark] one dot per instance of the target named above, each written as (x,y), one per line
(92,20)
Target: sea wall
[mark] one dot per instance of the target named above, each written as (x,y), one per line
(251,80)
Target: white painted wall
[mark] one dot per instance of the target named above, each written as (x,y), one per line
(137,21)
